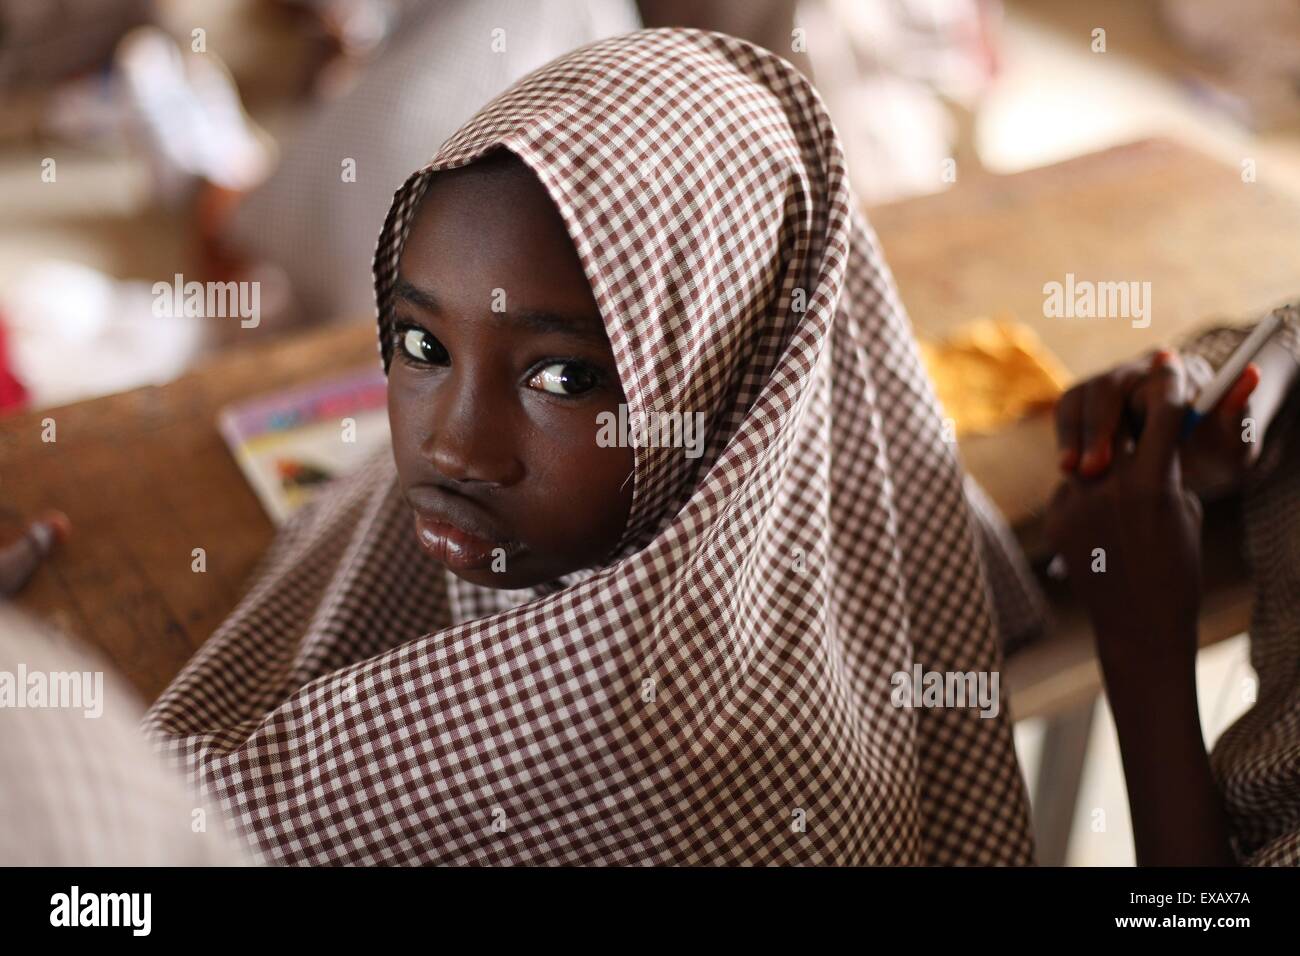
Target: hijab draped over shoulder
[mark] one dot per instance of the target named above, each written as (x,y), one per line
(721,689)
(1257,760)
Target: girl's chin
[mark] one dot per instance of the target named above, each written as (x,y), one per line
(512,579)
(516,580)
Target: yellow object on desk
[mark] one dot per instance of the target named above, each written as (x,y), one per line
(991,372)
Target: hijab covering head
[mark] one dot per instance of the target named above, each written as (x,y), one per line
(722,689)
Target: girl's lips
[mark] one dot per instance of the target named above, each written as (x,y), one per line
(458,550)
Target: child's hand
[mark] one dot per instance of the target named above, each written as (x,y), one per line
(1090,421)
(1131,538)
(1217,455)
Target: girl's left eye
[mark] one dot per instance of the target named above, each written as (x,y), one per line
(564,378)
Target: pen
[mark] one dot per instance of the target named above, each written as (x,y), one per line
(1231,370)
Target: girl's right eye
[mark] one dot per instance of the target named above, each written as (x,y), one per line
(420,346)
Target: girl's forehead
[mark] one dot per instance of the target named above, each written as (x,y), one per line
(495,237)
(497,176)
(526,318)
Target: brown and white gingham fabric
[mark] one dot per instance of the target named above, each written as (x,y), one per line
(719,690)
(1257,760)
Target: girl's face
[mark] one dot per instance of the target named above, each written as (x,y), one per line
(500,367)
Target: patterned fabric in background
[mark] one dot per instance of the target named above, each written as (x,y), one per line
(720,690)
(438,67)
(1257,760)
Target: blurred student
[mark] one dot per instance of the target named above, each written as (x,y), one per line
(80,787)
(1138,503)
(317,215)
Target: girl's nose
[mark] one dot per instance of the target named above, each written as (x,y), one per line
(470,436)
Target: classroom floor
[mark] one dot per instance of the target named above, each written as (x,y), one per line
(1056,99)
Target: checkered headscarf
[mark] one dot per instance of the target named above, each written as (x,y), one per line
(720,690)
(1257,760)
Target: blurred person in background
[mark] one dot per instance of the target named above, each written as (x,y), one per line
(390,79)
(881,68)
(1138,502)
(80,787)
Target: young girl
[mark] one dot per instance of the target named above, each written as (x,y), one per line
(540,638)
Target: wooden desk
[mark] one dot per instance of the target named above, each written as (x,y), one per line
(145,477)
(1212,247)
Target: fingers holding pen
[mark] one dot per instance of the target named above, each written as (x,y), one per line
(1162,407)
(1089,417)
(1232,405)
(1095,418)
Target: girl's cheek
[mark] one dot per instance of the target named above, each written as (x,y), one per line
(404,422)
(571,451)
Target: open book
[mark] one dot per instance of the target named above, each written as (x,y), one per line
(290,443)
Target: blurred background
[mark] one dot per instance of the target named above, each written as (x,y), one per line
(260,141)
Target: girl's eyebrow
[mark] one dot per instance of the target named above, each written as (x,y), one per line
(538,320)
(542,321)
(421,297)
